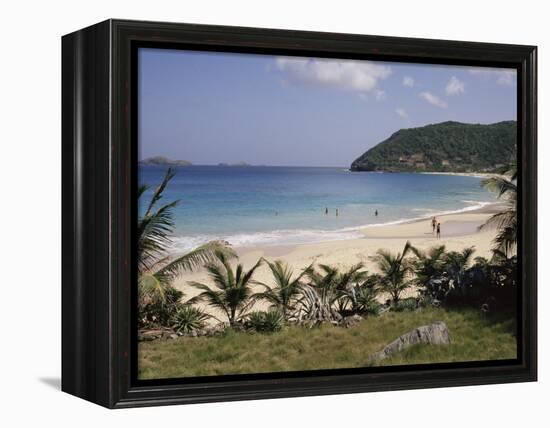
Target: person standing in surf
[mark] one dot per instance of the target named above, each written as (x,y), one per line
(438,230)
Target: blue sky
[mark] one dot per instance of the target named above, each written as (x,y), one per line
(266,110)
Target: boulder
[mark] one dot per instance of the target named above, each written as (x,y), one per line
(384,308)
(154,334)
(433,334)
(166,334)
(215,330)
(351,321)
(146,337)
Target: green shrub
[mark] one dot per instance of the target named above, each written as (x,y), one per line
(188,318)
(154,312)
(408,304)
(265,322)
(371,308)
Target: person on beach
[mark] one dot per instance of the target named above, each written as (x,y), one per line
(434,222)
(376,213)
(326,210)
(336,212)
(438,230)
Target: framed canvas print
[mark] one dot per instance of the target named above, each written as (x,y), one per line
(253,213)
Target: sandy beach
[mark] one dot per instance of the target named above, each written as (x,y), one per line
(458,231)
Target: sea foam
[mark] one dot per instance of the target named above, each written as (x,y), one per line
(306,236)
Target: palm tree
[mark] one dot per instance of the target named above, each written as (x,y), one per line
(349,286)
(429,264)
(456,265)
(324,282)
(506,220)
(322,291)
(156,267)
(233,292)
(332,284)
(362,296)
(394,271)
(284,294)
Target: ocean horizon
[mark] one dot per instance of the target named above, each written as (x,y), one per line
(289,205)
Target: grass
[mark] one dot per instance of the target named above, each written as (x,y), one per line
(328,347)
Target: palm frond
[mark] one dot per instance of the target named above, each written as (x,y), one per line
(152,288)
(234,294)
(153,235)
(284,294)
(501,219)
(506,239)
(157,194)
(218,275)
(196,258)
(394,270)
(506,220)
(501,185)
(212,297)
(248,275)
(142,189)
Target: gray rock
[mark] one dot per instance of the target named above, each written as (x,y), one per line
(351,321)
(433,334)
(166,334)
(216,330)
(145,338)
(148,335)
(154,334)
(383,309)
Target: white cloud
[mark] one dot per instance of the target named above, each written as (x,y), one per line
(408,81)
(401,112)
(433,99)
(454,87)
(502,76)
(507,78)
(380,95)
(361,76)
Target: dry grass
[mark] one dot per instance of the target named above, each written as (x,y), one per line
(327,347)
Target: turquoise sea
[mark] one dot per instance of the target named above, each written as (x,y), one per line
(253,205)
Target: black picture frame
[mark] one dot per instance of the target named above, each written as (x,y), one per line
(99,165)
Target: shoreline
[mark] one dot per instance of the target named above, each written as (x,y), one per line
(467,225)
(458,231)
(341,234)
(464,174)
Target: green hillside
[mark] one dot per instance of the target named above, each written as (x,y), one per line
(443,147)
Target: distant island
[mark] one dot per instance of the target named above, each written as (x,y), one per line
(164,161)
(242,163)
(443,147)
